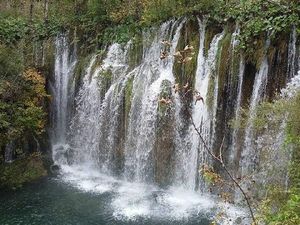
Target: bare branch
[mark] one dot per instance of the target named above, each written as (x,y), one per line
(220,161)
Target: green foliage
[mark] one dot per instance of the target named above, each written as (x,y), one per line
(281,207)
(267,17)
(121,33)
(21,171)
(22,95)
(11,62)
(12,30)
(102,22)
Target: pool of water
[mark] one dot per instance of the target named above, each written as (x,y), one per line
(83,196)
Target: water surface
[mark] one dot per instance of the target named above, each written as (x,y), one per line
(81,196)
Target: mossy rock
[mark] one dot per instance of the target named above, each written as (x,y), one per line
(128,95)
(256,53)
(79,71)
(165,92)
(189,36)
(210,32)
(165,135)
(14,175)
(136,51)
(105,80)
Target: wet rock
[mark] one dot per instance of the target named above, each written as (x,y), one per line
(54,169)
(164,144)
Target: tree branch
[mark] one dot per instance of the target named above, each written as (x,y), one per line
(220,161)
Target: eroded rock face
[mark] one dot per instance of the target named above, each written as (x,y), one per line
(165,137)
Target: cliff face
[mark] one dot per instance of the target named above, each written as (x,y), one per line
(116,120)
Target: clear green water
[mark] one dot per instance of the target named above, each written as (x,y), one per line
(52,201)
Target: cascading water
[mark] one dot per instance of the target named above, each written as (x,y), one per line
(292,54)
(8,152)
(249,155)
(113,141)
(65,62)
(237,105)
(203,116)
(237,114)
(143,115)
(95,111)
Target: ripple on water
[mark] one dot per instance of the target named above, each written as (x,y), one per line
(131,201)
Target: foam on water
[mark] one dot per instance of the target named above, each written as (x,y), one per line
(132,200)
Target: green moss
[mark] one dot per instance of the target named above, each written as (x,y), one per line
(210,32)
(105,79)
(80,68)
(165,92)
(224,59)
(189,36)
(256,53)
(22,171)
(128,95)
(210,92)
(136,51)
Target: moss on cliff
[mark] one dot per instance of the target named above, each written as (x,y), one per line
(164,143)
(128,95)
(22,171)
(189,36)
(210,32)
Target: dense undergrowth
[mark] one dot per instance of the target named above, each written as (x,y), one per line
(23,170)
(280,204)
(100,22)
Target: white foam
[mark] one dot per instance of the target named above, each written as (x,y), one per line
(131,201)
(292,88)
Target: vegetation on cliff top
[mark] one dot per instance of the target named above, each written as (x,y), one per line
(98,21)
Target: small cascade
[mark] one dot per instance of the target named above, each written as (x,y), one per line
(214,104)
(290,91)
(235,93)
(95,112)
(292,54)
(111,129)
(292,87)
(194,151)
(8,152)
(237,113)
(147,85)
(185,173)
(65,62)
(83,128)
(249,155)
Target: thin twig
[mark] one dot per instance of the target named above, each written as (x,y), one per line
(219,160)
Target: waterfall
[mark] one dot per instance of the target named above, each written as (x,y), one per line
(237,113)
(65,62)
(143,114)
(237,105)
(290,91)
(8,152)
(203,115)
(95,112)
(113,139)
(292,87)
(292,53)
(249,154)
